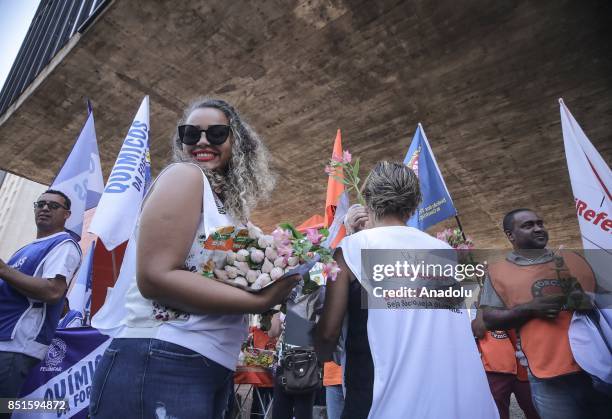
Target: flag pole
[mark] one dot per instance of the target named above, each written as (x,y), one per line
(460,227)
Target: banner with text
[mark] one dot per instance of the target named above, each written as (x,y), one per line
(591,332)
(125,189)
(66,373)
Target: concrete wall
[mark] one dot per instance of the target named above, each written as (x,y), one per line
(482,76)
(17,226)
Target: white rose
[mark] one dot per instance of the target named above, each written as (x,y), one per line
(242,255)
(267,266)
(276,273)
(252,275)
(271,253)
(257,256)
(240,280)
(232,271)
(243,267)
(280,262)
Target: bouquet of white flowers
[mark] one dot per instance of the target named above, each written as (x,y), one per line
(256,259)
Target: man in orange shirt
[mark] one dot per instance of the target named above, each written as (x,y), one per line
(504,373)
(531,291)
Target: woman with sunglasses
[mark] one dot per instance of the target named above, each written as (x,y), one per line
(176,347)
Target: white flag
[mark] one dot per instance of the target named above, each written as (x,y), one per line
(120,204)
(591,180)
(590,334)
(81,176)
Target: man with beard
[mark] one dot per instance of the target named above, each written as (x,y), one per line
(33,284)
(535,291)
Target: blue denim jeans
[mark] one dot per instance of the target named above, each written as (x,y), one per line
(150,378)
(569,396)
(334,400)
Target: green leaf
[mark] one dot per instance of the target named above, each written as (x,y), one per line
(340,179)
(288,226)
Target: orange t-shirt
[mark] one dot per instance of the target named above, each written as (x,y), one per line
(545,343)
(521,371)
(497,352)
(332,374)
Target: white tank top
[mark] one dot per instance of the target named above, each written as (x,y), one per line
(426,364)
(218,337)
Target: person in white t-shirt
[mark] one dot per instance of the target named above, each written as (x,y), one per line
(33,284)
(399,363)
(179,342)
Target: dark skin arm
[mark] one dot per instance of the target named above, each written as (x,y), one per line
(169,220)
(546,308)
(478,326)
(328,328)
(49,290)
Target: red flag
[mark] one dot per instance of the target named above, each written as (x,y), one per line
(316,221)
(334,187)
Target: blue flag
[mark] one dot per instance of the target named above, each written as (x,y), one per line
(437,204)
(81,177)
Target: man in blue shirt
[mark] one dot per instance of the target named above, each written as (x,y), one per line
(33,285)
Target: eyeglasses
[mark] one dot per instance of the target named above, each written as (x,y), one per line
(215,134)
(51,204)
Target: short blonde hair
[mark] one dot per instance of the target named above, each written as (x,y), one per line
(392,188)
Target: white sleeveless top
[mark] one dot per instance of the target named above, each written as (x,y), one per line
(218,337)
(426,363)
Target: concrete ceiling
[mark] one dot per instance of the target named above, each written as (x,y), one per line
(483,77)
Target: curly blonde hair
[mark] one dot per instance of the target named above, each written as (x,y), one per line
(247,178)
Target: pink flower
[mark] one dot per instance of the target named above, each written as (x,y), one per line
(329,170)
(346,157)
(463,246)
(330,270)
(313,235)
(284,250)
(336,158)
(444,234)
(281,236)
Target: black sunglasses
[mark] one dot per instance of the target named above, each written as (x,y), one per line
(52,205)
(215,134)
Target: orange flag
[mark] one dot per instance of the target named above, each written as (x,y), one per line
(334,187)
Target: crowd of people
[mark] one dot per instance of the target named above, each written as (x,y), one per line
(178,346)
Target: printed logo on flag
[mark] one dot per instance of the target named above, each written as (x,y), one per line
(55,355)
(413,163)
